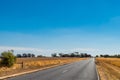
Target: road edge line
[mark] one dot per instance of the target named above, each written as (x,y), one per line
(98,75)
(22,73)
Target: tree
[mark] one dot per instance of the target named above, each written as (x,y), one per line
(32,55)
(60,54)
(77,54)
(18,55)
(8,59)
(54,55)
(29,55)
(106,55)
(82,55)
(40,56)
(101,55)
(24,55)
(72,55)
(97,56)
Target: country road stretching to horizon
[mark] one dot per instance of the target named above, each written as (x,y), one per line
(82,70)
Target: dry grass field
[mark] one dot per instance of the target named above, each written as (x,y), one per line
(26,64)
(109,68)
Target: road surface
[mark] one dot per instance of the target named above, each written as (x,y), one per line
(82,70)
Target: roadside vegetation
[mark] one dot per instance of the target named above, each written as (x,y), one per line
(109,68)
(25,62)
(7,59)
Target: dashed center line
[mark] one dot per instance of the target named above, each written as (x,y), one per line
(64,71)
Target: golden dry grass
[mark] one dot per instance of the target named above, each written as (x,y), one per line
(109,68)
(41,62)
(113,61)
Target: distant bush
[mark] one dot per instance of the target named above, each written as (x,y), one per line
(8,59)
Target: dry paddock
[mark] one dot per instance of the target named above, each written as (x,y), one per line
(109,68)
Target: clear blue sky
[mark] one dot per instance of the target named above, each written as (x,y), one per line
(60,24)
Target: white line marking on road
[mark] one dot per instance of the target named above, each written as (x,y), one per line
(64,71)
(98,76)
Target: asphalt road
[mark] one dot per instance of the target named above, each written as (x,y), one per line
(82,70)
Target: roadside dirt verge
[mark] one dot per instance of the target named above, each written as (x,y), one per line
(107,70)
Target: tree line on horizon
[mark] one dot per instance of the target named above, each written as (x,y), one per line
(25,55)
(75,54)
(109,56)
